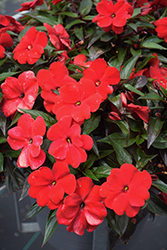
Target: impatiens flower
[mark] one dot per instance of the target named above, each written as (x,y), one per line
(68,144)
(58,36)
(49,186)
(113,16)
(51,82)
(30,5)
(19,93)
(30,48)
(5,41)
(102,76)
(10,23)
(161,28)
(81,60)
(77,100)
(28,135)
(126,190)
(83,209)
(141,111)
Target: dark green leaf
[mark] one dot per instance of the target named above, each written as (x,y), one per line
(160,185)
(120,138)
(143,161)
(51,225)
(152,96)
(152,45)
(34,210)
(122,155)
(157,206)
(160,142)
(90,174)
(102,171)
(121,55)
(91,159)
(91,124)
(49,120)
(122,222)
(1,162)
(3,121)
(136,12)
(4,75)
(123,125)
(131,88)
(71,14)
(77,21)
(3,140)
(128,67)
(85,7)
(50,19)
(154,129)
(96,36)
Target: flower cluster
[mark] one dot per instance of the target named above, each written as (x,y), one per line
(83,108)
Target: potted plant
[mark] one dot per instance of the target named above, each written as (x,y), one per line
(83,112)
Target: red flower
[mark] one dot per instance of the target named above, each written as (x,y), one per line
(102,76)
(5,41)
(161,28)
(30,5)
(141,111)
(9,23)
(77,100)
(54,2)
(81,60)
(113,16)
(82,209)
(68,144)
(51,81)
(126,190)
(49,187)
(19,93)
(58,36)
(62,57)
(31,46)
(28,134)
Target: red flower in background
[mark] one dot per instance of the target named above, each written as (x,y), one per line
(5,41)
(49,186)
(58,36)
(51,82)
(68,144)
(19,93)
(102,76)
(9,23)
(126,190)
(141,111)
(113,16)
(77,100)
(28,135)
(83,209)
(30,48)
(161,28)
(54,2)
(30,5)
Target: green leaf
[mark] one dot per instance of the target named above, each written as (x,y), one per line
(1,162)
(85,7)
(153,97)
(3,140)
(136,12)
(96,36)
(79,33)
(4,75)
(95,52)
(154,129)
(91,124)
(152,45)
(128,67)
(123,125)
(34,210)
(164,91)
(90,174)
(101,171)
(71,14)
(160,185)
(122,155)
(157,206)
(120,138)
(145,24)
(133,26)
(160,142)
(77,21)
(143,161)
(50,19)
(122,222)
(91,159)
(121,55)
(49,120)
(51,225)
(131,88)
